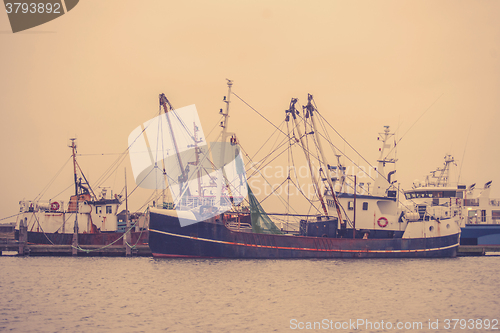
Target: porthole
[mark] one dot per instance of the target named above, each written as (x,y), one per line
(447,226)
(431,228)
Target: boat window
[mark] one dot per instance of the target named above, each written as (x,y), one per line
(365,205)
(98,209)
(495,214)
(438,194)
(450,194)
(386,207)
(471,202)
(109,210)
(350,205)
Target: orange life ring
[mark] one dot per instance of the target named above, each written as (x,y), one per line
(383,224)
(54,205)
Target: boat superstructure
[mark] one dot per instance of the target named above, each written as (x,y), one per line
(372,213)
(477,214)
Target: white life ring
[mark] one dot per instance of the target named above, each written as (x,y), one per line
(54,205)
(382,224)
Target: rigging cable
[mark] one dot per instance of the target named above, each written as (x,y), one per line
(399,190)
(284,142)
(258,113)
(38,197)
(278,128)
(70,185)
(258,171)
(112,168)
(430,106)
(269,138)
(463,156)
(272,151)
(8,217)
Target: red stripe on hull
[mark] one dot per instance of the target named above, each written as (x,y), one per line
(161,255)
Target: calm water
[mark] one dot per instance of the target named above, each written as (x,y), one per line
(149,295)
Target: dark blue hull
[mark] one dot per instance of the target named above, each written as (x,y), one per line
(212,240)
(480,234)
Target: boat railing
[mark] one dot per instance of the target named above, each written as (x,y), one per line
(28,206)
(191,202)
(239,226)
(495,202)
(483,219)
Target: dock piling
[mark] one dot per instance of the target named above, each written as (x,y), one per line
(23,237)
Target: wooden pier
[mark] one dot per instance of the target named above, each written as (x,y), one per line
(23,248)
(477,250)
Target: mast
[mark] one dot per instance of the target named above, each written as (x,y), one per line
(224,134)
(293,111)
(354,212)
(74,250)
(168,107)
(73,154)
(197,154)
(444,173)
(197,157)
(310,111)
(381,180)
(126,239)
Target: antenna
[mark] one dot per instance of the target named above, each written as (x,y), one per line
(223,135)
(463,156)
(416,121)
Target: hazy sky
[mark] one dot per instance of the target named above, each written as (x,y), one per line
(96,72)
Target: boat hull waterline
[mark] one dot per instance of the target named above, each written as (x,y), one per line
(209,240)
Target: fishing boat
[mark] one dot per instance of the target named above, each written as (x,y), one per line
(349,224)
(479,215)
(85,219)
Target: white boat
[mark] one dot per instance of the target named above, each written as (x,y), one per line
(477,213)
(95,218)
